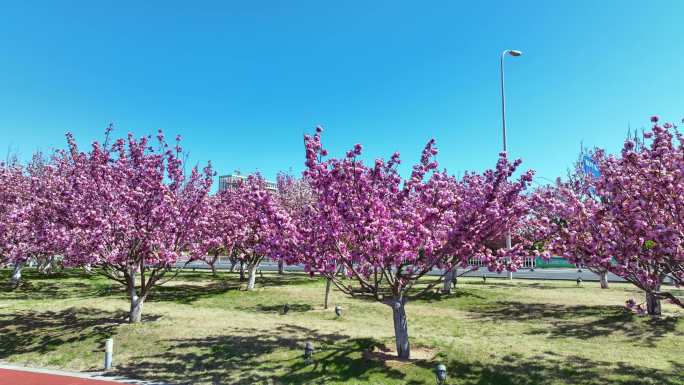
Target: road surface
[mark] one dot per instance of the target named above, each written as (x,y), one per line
(28,377)
(550,274)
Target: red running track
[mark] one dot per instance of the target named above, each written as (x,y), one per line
(22,377)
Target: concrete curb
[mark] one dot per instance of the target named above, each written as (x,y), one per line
(88,375)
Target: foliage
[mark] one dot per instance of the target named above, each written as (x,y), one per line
(634,215)
(387,233)
(130,209)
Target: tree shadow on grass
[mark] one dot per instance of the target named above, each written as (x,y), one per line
(555,369)
(248,356)
(289,279)
(32,274)
(293,308)
(42,332)
(581,321)
(188,293)
(56,288)
(438,296)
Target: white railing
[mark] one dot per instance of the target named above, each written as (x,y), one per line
(528,263)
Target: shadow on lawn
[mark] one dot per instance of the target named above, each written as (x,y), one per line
(293,308)
(276,358)
(243,358)
(185,292)
(438,296)
(188,293)
(42,332)
(551,368)
(581,321)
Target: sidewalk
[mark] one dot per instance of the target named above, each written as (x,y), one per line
(16,375)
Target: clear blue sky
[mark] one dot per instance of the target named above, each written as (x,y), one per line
(242,81)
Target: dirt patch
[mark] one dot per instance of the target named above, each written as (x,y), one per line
(387,355)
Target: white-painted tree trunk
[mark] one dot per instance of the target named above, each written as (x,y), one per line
(449,279)
(16,273)
(252,269)
(328,286)
(401,329)
(604,279)
(653,307)
(135,313)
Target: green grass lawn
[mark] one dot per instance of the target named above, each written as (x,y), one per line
(203,330)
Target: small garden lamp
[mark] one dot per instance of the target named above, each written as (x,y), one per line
(308,352)
(441,374)
(579,281)
(338,311)
(286,308)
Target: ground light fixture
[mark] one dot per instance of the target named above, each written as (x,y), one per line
(286,308)
(484,278)
(579,281)
(441,374)
(338,311)
(308,352)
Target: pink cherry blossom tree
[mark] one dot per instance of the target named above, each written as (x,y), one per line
(634,216)
(215,236)
(295,196)
(388,233)
(582,184)
(250,223)
(28,208)
(13,196)
(131,210)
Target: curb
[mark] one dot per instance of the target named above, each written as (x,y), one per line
(89,375)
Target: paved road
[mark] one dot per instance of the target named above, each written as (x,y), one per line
(26,377)
(550,274)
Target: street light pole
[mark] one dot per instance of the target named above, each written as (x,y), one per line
(511,52)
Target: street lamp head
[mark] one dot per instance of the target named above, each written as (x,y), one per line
(514,52)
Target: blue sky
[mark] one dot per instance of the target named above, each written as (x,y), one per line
(242,81)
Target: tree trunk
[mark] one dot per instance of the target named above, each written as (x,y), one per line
(449,282)
(242,271)
(252,275)
(653,305)
(604,279)
(401,329)
(232,265)
(328,286)
(212,264)
(281,267)
(135,314)
(16,273)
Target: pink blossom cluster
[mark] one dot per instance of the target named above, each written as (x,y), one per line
(29,202)
(387,232)
(632,221)
(130,203)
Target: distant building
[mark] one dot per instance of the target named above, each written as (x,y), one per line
(230,181)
